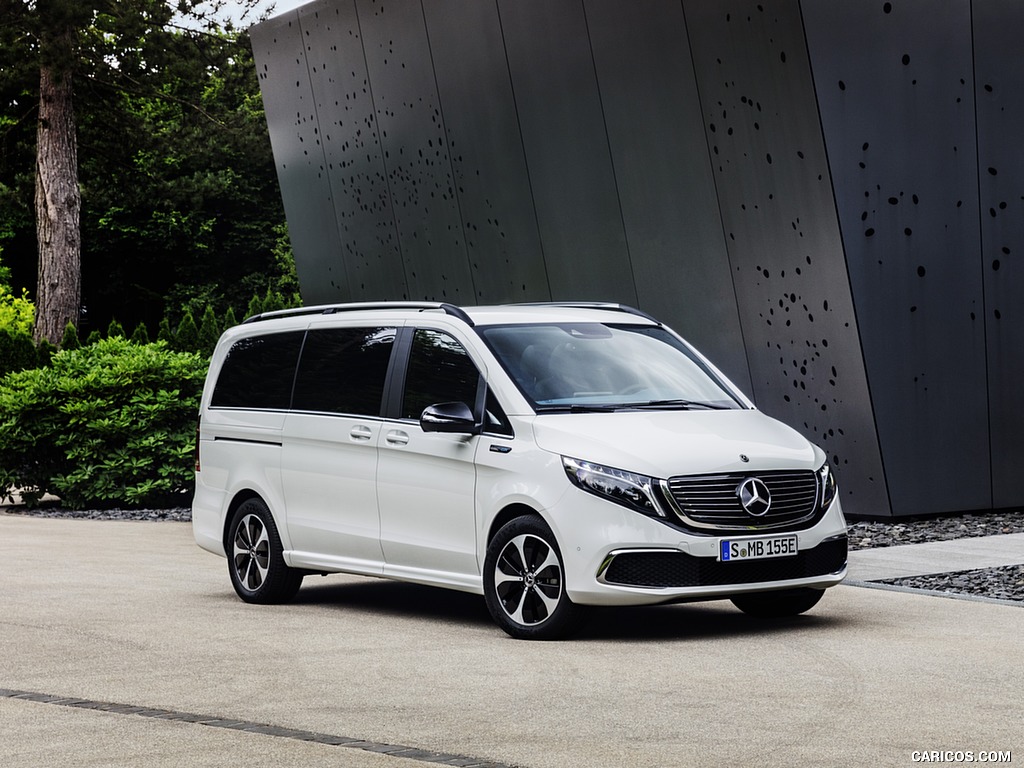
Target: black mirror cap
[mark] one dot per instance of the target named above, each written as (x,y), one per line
(455,418)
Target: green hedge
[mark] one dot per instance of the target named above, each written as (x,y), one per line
(110,424)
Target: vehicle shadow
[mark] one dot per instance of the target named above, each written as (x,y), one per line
(692,621)
(681,621)
(394,598)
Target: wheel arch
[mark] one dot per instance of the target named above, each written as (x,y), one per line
(238,500)
(508,514)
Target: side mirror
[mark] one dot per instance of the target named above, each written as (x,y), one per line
(454,418)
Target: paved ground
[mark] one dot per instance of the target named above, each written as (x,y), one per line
(133,614)
(936,557)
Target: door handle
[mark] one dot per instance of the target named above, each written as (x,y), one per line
(360,432)
(397,437)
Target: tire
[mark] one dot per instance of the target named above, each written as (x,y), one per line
(524,583)
(255,563)
(778,605)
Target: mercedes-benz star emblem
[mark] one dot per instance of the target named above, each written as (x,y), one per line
(755,497)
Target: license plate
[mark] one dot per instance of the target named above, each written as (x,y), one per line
(757,549)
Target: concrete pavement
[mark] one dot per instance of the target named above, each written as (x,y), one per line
(937,557)
(134,614)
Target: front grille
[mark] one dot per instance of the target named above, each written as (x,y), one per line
(712,501)
(678,569)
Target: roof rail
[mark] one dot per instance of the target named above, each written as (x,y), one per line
(331,309)
(606,305)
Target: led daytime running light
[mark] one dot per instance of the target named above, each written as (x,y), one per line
(626,488)
(827,485)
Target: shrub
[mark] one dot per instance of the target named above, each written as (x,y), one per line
(110,424)
(140,335)
(164,332)
(186,339)
(115,330)
(209,331)
(17,313)
(17,351)
(70,339)
(45,352)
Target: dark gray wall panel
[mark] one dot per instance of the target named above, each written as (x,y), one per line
(279,51)
(898,116)
(486,148)
(998,32)
(665,185)
(416,153)
(355,166)
(566,146)
(784,243)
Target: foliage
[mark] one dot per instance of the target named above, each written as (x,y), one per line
(187,336)
(17,351)
(17,313)
(209,331)
(179,189)
(110,424)
(140,335)
(70,339)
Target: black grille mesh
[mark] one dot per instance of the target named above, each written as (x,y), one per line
(678,569)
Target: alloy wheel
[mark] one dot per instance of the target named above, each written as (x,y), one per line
(528,580)
(251,552)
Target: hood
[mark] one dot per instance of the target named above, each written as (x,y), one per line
(669,443)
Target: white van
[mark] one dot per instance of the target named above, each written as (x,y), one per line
(550,457)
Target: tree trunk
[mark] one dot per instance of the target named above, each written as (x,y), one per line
(58,201)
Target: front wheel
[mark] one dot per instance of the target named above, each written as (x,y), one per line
(777,605)
(255,560)
(524,582)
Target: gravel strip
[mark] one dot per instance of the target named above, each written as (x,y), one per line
(175,515)
(1005,583)
(1001,583)
(866,534)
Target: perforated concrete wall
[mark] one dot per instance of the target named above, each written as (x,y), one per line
(824,196)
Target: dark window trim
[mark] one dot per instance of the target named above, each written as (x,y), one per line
(394,383)
(249,440)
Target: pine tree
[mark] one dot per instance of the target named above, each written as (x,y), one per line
(187,337)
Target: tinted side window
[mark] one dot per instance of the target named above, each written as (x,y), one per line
(258,372)
(343,370)
(440,371)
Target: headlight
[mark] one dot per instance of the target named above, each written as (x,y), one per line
(626,488)
(826,485)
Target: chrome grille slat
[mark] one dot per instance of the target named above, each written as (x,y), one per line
(711,501)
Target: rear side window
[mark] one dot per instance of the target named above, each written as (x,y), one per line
(258,372)
(343,370)
(440,371)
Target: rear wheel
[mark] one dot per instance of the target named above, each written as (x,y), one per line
(255,561)
(524,582)
(777,605)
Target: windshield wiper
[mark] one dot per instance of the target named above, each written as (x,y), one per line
(580,408)
(676,404)
(682,405)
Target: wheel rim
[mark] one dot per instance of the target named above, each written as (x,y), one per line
(251,552)
(528,580)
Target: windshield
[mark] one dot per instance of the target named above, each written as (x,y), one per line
(597,366)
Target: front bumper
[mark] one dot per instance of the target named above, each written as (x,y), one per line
(613,556)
